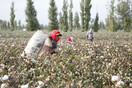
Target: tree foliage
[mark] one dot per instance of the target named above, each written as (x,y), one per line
(82,7)
(70,17)
(31,17)
(124,12)
(76,21)
(60,21)
(85,14)
(110,20)
(96,23)
(19,25)
(52,15)
(12,16)
(101,25)
(65,16)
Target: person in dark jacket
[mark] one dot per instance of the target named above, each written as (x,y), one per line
(90,35)
(50,43)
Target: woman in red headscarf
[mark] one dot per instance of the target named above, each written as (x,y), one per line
(50,43)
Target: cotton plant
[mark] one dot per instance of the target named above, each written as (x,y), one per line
(38,87)
(115,78)
(3,85)
(120,83)
(96,61)
(40,84)
(117,81)
(25,86)
(5,77)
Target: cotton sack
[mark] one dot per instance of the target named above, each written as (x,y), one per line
(34,45)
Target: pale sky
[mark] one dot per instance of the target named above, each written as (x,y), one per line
(42,6)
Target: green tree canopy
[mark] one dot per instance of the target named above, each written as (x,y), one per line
(31,17)
(65,16)
(110,20)
(85,6)
(82,7)
(124,12)
(76,21)
(12,16)
(52,15)
(96,23)
(70,17)
(87,13)
(60,21)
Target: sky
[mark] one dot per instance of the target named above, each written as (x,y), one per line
(42,6)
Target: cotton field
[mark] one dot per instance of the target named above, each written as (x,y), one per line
(104,63)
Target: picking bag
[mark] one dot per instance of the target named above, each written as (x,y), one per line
(34,44)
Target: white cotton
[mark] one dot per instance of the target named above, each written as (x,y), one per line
(109,64)
(101,56)
(34,44)
(60,49)
(115,78)
(48,78)
(40,83)
(24,86)
(12,45)
(38,87)
(96,45)
(34,61)
(3,85)
(24,29)
(5,77)
(108,47)
(126,46)
(119,83)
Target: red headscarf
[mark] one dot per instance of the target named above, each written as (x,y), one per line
(54,33)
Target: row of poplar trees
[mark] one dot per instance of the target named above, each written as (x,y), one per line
(62,24)
(31,17)
(119,17)
(66,20)
(5,25)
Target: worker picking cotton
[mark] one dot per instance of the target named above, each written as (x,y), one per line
(90,35)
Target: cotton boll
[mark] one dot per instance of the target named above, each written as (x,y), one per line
(38,87)
(115,78)
(34,61)
(130,85)
(24,29)
(60,49)
(120,83)
(5,77)
(3,85)
(40,83)
(2,65)
(12,45)
(48,78)
(25,86)
(107,47)
(102,57)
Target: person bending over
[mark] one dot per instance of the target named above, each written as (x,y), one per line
(50,43)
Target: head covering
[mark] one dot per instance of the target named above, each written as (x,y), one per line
(55,33)
(91,30)
(69,39)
